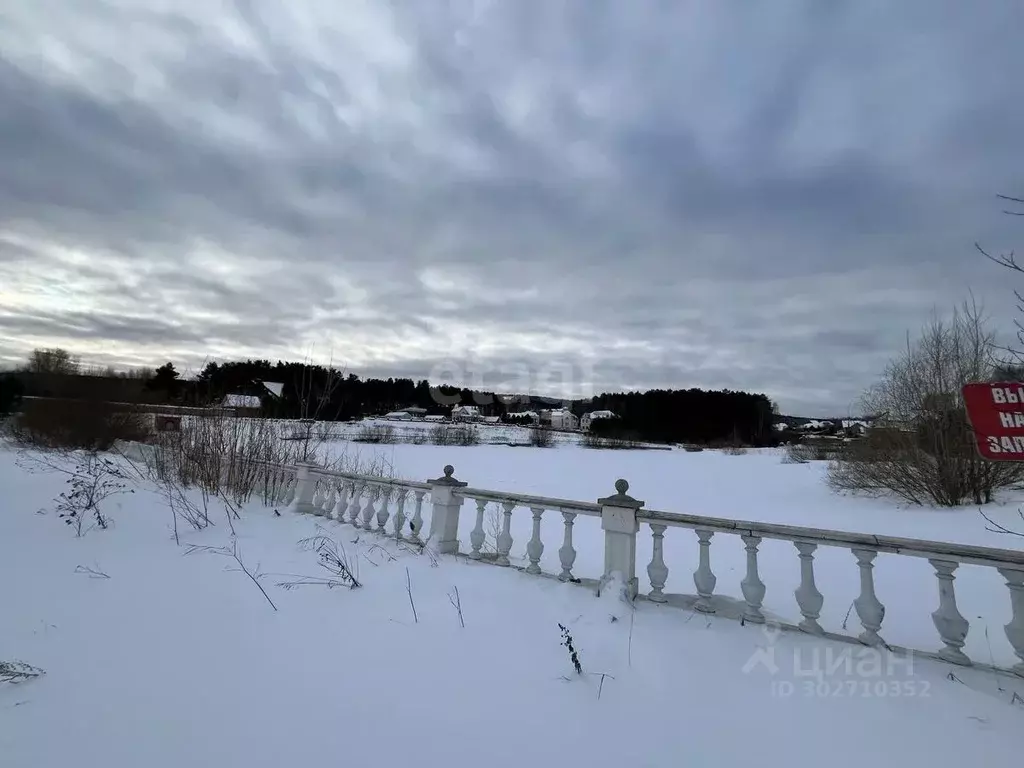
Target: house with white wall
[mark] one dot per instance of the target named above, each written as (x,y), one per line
(559,418)
(466,413)
(589,418)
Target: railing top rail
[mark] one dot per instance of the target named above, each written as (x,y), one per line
(526,500)
(964,553)
(371,479)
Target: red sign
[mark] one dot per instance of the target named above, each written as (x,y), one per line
(996,411)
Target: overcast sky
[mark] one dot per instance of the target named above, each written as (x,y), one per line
(565,195)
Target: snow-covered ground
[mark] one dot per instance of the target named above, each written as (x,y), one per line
(179,659)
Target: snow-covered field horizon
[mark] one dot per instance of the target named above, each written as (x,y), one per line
(178,658)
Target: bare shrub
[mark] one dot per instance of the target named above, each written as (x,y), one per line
(541,437)
(15,672)
(383,434)
(922,448)
(223,455)
(91,479)
(454,434)
(813,450)
(333,558)
(88,425)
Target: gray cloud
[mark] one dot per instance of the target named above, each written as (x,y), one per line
(622,195)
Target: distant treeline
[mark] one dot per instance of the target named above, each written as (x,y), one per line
(313,391)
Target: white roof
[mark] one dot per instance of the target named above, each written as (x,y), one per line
(276,388)
(242,401)
(601,415)
(466,408)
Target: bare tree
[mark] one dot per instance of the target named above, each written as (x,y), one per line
(922,448)
(315,398)
(1014,365)
(53,360)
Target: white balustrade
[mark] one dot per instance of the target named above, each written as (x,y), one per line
(363,501)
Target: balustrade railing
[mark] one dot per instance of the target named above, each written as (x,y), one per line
(370,503)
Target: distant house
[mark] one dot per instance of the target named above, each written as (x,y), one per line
(242,405)
(416,412)
(589,418)
(559,418)
(435,419)
(399,416)
(466,413)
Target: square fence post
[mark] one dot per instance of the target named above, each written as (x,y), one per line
(305,484)
(618,520)
(444,516)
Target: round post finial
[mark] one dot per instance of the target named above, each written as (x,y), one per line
(621,498)
(449,470)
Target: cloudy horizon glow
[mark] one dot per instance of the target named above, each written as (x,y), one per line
(763,197)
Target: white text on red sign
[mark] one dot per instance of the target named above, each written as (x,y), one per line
(1004,395)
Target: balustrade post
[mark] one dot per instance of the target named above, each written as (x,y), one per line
(504,542)
(752,587)
(382,510)
(289,493)
(477,537)
(368,511)
(704,578)
(618,520)
(948,620)
(657,571)
(305,486)
(567,553)
(1015,629)
(416,524)
(318,497)
(444,517)
(344,492)
(808,597)
(399,519)
(535,547)
(869,609)
(353,507)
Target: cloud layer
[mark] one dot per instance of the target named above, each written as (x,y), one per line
(617,195)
